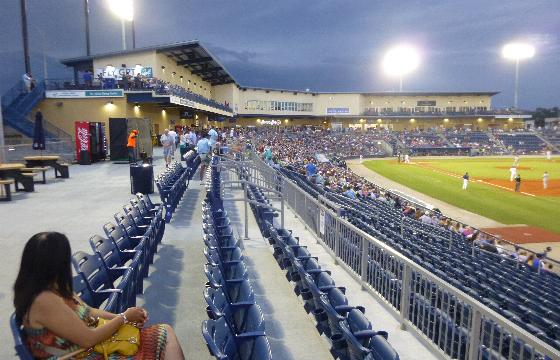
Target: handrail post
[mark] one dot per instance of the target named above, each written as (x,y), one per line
(364,262)
(474,337)
(405,294)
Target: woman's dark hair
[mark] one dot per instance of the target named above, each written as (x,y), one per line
(45,265)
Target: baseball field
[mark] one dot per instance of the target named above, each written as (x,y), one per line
(490,192)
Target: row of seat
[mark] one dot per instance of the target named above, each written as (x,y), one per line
(173,182)
(350,332)
(112,276)
(236,328)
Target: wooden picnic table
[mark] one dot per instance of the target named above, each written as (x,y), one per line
(60,170)
(14,171)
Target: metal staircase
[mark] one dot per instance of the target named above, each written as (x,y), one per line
(17,105)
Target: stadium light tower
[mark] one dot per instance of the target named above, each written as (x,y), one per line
(124,10)
(517,52)
(399,61)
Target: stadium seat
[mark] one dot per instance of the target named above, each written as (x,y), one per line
(224,344)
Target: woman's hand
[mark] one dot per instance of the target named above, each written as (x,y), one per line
(136,315)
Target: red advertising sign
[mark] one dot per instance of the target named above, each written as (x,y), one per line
(82,137)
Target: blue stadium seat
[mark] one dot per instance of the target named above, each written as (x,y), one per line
(241,316)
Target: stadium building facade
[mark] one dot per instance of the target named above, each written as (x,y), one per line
(184,84)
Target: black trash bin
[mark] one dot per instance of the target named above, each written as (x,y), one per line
(85,159)
(142,179)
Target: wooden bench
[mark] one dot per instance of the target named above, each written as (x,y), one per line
(61,170)
(26,180)
(42,169)
(5,183)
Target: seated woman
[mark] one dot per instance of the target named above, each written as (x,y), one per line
(58,323)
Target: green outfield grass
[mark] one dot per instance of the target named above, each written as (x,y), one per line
(496,168)
(501,205)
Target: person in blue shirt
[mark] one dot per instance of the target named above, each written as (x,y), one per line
(268,155)
(204,150)
(310,169)
(213,137)
(350,193)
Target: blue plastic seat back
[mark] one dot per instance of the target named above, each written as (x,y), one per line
(108,251)
(357,321)
(82,289)
(381,349)
(19,339)
(242,291)
(220,339)
(96,276)
(324,280)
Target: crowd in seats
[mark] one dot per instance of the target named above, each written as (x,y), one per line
(477,140)
(173,183)
(421,139)
(351,334)
(522,143)
(112,275)
(236,328)
(552,135)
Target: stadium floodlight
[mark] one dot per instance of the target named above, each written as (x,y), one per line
(517,52)
(401,60)
(125,11)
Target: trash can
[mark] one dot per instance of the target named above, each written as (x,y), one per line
(85,159)
(141,179)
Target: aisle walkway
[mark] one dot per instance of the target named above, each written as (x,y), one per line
(173,292)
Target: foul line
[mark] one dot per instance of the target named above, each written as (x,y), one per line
(477,180)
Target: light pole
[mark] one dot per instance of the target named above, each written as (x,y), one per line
(124,10)
(43,44)
(517,52)
(399,61)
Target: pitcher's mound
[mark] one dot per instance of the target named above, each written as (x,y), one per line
(524,234)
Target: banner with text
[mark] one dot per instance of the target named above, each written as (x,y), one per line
(71,94)
(337,111)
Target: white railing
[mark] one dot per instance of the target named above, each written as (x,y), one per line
(451,322)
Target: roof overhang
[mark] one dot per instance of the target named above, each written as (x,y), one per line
(192,55)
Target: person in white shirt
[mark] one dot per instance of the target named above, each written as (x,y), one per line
(548,154)
(512,173)
(232,133)
(27,81)
(545,180)
(407,159)
(167,140)
(174,145)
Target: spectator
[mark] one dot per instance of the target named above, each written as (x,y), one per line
(183,148)
(213,137)
(175,142)
(27,82)
(167,140)
(58,322)
(204,151)
(131,146)
(88,78)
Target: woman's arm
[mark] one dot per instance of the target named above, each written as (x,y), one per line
(50,311)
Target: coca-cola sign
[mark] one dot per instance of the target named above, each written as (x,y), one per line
(82,137)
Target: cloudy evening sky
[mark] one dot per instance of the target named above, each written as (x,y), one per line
(324,45)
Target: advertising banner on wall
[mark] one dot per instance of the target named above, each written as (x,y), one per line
(71,94)
(110,72)
(426,103)
(82,137)
(337,111)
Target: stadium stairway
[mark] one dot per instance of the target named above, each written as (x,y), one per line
(173,290)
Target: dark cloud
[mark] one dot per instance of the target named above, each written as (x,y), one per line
(319,44)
